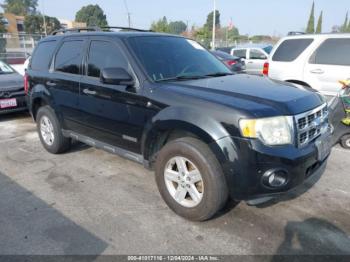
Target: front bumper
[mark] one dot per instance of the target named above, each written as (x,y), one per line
(245,162)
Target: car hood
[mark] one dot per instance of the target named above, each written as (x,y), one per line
(11,82)
(259,95)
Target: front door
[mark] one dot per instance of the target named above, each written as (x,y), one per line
(112,114)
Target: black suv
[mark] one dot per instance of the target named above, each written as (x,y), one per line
(166,102)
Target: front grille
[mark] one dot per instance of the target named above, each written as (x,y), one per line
(311,124)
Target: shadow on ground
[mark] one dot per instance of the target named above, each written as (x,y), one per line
(30,226)
(313,236)
(13,116)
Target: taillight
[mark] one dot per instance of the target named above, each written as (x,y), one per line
(231,62)
(266,69)
(26,83)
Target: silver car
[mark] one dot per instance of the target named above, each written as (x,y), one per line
(254,55)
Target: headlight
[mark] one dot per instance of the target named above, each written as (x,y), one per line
(271,131)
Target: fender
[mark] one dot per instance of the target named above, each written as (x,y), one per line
(40,93)
(188,119)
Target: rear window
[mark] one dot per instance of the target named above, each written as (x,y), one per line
(290,49)
(42,55)
(333,52)
(241,53)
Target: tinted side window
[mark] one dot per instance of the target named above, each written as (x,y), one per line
(104,55)
(42,55)
(333,52)
(242,53)
(69,57)
(289,50)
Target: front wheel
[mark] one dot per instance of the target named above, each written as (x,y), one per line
(190,179)
(345,141)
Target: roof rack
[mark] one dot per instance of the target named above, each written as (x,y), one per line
(77,30)
(108,29)
(296,33)
(97,29)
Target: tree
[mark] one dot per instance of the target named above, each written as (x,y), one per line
(2,39)
(348,30)
(161,25)
(20,7)
(344,27)
(92,15)
(310,29)
(177,27)
(34,24)
(319,24)
(209,23)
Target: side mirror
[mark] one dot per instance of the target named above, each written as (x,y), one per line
(116,76)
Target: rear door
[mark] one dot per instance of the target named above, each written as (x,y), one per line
(329,64)
(255,61)
(64,80)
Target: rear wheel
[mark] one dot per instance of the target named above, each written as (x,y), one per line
(190,179)
(345,141)
(50,132)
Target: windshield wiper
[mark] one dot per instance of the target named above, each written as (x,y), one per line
(218,74)
(181,77)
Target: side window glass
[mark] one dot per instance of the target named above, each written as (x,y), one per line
(69,57)
(257,54)
(291,49)
(104,54)
(43,55)
(333,52)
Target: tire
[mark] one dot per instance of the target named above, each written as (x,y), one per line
(47,120)
(345,141)
(212,189)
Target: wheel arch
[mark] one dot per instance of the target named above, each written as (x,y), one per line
(39,97)
(179,122)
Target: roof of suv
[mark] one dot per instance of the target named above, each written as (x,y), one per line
(116,34)
(319,36)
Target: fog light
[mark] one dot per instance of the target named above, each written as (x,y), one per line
(275,178)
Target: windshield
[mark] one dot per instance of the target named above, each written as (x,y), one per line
(268,49)
(5,68)
(170,58)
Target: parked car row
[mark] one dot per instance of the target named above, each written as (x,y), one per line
(12,95)
(167,103)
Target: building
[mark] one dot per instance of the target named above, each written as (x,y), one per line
(17,43)
(14,24)
(68,24)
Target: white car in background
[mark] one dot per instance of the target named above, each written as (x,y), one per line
(254,57)
(317,61)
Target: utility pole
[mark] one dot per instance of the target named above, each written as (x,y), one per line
(214,26)
(128,13)
(44,19)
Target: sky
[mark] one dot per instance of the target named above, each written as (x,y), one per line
(272,17)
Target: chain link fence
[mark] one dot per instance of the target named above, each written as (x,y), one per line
(15,48)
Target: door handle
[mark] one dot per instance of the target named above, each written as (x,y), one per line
(250,62)
(317,71)
(50,83)
(89,92)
